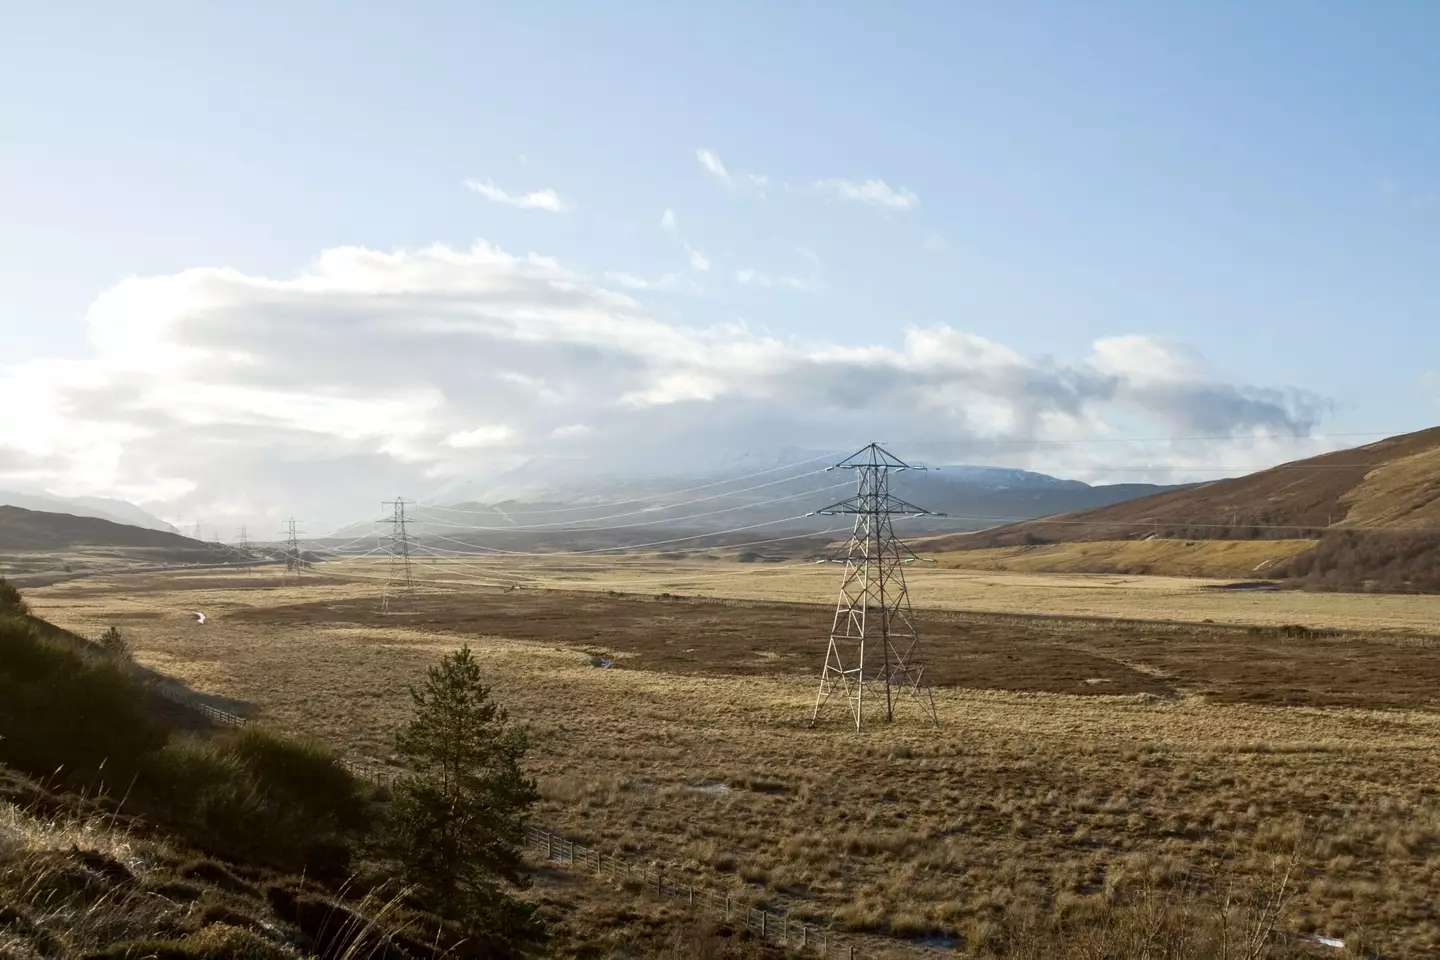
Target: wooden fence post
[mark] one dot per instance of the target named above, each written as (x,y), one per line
(727,906)
(549,846)
(763,915)
(690,895)
(659,882)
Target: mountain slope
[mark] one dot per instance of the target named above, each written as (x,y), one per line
(101,508)
(22,529)
(1367,518)
(1393,484)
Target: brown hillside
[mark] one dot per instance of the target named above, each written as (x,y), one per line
(22,529)
(1371,512)
(1391,484)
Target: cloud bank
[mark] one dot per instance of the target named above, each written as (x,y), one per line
(369,374)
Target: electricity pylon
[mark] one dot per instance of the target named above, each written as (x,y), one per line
(245,555)
(874,645)
(398,595)
(294,560)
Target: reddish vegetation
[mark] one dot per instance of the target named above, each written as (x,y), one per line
(987,651)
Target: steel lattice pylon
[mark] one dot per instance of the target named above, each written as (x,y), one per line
(874,645)
(398,594)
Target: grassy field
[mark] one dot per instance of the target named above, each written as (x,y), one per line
(1159,557)
(1076,763)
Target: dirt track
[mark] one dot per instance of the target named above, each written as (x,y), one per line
(986,651)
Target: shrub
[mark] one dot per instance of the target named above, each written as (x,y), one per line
(10,600)
(262,797)
(61,712)
(114,645)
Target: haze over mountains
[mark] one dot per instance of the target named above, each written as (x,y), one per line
(100,508)
(756,498)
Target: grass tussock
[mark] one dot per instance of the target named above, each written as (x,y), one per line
(79,885)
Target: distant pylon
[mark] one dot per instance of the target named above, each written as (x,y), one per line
(874,645)
(245,555)
(294,559)
(398,594)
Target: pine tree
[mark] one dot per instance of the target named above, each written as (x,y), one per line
(10,601)
(458,819)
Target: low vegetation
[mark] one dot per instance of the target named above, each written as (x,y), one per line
(1047,816)
(1368,562)
(277,842)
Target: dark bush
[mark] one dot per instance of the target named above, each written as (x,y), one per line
(10,600)
(1366,561)
(65,715)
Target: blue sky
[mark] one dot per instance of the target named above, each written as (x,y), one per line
(1256,182)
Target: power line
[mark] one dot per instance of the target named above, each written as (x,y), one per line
(654,496)
(633,546)
(442,553)
(1231,438)
(874,602)
(561,528)
(1188,525)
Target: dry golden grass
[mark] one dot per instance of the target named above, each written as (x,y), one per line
(1188,600)
(1399,494)
(1168,558)
(1020,804)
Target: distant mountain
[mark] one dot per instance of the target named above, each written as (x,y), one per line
(22,529)
(100,508)
(562,507)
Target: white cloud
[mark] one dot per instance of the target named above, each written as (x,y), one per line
(698,260)
(875,193)
(668,221)
(488,436)
(710,160)
(546,199)
(370,373)
(754,278)
(933,241)
(669,282)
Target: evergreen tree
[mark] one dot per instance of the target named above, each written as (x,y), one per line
(458,819)
(10,601)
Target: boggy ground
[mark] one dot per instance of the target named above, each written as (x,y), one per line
(695,637)
(1210,754)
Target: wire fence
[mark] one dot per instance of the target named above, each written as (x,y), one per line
(771,925)
(372,773)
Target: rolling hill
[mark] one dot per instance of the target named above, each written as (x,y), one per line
(102,508)
(39,547)
(1363,518)
(22,529)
